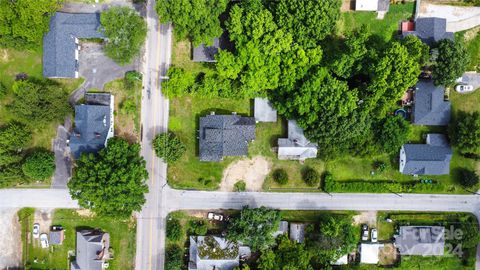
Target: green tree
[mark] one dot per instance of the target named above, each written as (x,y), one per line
(197,227)
(125,31)
(451,63)
(14,136)
(468,178)
(348,61)
(24,22)
(173,257)
(179,83)
(254,227)
(111,183)
(174,229)
(417,49)
(288,255)
(392,133)
(197,20)
(280,176)
(465,132)
(40,165)
(311,176)
(168,147)
(309,21)
(39,103)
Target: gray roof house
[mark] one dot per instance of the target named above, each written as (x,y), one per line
(60,44)
(282,229)
(421,240)
(93,124)
(432,158)
(225,135)
(56,236)
(429,105)
(212,252)
(92,250)
(264,112)
(296,146)
(297,232)
(430,30)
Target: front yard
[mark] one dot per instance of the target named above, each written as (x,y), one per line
(122,239)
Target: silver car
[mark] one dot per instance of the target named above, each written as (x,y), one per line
(36,230)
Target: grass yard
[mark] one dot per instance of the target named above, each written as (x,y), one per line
(385,28)
(122,240)
(127,124)
(182,57)
(471,38)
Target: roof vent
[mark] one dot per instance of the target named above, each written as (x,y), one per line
(97,135)
(234,113)
(212,113)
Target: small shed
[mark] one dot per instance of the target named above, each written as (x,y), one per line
(282,229)
(369,253)
(366,5)
(56,236)
(297,232)
(264,112)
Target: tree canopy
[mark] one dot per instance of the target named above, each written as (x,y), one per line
(254,227)
(287,255)
(168,147)
(392,133)
(40,165)
(465,132)
(197,20)
(125,31)
(24,22)
(14,137)
(451,63)
(112,182)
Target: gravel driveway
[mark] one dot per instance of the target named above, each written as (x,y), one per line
(10,239)
(458,18)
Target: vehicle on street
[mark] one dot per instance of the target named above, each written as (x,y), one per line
(464,88)
(374,235)
(364,232)
(216,217)
(44,240)
(36,230)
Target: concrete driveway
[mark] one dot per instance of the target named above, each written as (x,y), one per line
(458,18)
(472,78)
(63,162)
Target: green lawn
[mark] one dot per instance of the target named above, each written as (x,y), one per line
(122,240)
(472,41)
(385,28)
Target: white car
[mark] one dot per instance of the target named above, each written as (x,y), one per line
(374,235)
(44,240)
(365,232)
(36,230)
(464,88)
(213,216)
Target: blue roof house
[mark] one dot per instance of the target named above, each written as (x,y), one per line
(93,124)
(432,158)
(61,43)
(430,107)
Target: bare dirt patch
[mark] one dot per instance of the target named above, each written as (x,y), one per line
(10,239)
(388,255)
(4,55)
(253,171)
(367,217)
(85,213)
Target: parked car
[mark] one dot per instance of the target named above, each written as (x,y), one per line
(44,240)
(36,230)
(364,232)
(464,88)
(374,235)
(216,217)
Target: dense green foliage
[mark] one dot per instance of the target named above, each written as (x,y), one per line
(125,31)
(40,165)
(465,132)
(173,258)
(254,227)
(417,49)
(168,147)
(286,255)
(451,63)
(13,138)
(311,176)
(111,183)
(468,178)
(240,186)
(197,20)
(24,22)
(174,229)
(131,77)
(392,133)
(197,227)
(39,103)
(280,176)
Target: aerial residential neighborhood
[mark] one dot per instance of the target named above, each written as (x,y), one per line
(237,135)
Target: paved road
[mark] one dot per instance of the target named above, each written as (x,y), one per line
(151,221)
(458,18)
(38,198)
(63,162)
(472,78)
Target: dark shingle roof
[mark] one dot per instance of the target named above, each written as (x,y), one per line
(431,30)
(59,43)
(56,237)
(92,124)
(421,240)
(204,53)
(430,108)
(225,135)
(432,158)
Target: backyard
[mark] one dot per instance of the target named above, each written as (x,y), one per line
(471,38)
(122,239)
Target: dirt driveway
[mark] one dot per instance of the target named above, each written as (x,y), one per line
(458,18)
(367,217)
(253,171)
(10,239)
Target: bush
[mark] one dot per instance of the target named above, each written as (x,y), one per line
(197,227)
(280,176)
(174,229)
(168,146)
(132,77)
(240,186)
(380,166)
(173,258)
(311,177)
(40,165)
(468,178)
